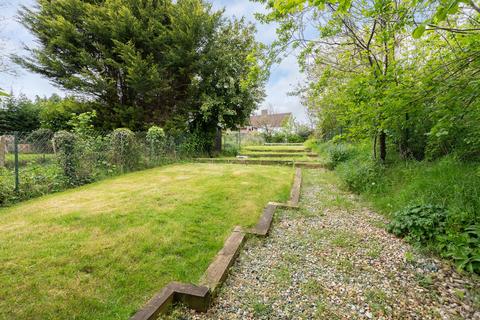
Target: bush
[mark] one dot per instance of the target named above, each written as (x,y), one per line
(338,153)
(124,149)
(230,151)
(360,175)
(419,224)
(155,139)
(434,226)
(462,247)
(68,157)
(447,221)
(56,112)
(41,140)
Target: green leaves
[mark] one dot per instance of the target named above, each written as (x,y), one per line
(419,31)
(149,61)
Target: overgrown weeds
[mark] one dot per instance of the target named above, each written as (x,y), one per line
(433,204)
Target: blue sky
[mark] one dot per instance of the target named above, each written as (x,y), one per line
(284,77)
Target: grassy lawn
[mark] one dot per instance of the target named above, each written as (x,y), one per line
(274,148)
(296,159)
(102,250)
(27,158)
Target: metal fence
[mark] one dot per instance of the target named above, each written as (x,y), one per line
(237,139)
(41,162)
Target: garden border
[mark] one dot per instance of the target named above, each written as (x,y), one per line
(200,297)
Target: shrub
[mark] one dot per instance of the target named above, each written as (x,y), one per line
(462,247)
(360,175)
(57,112)
(230,151)
(339,153)
(192,144)
(41,140)
(420,224)
(125,153)
(6,186)
(68,157)
(155,139)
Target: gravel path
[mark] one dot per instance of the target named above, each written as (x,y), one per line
(332,259)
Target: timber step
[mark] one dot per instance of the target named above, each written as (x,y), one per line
(276,155)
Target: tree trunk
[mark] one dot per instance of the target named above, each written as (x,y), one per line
(218,141)
(383,146)
(405,151)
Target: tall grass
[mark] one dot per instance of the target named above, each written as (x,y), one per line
(400,185)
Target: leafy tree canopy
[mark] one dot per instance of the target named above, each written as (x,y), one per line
(398,72)
(178,64)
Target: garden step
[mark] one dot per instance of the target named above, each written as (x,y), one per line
(277,155)
(272,150)
(283,144)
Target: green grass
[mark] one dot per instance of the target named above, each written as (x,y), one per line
(102,250)
(447,183)
(296,159)
(274,154)
(274,148)
(28,157)
(25,159)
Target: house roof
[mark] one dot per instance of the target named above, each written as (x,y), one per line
(271,120)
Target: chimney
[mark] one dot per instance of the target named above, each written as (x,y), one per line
(265,112)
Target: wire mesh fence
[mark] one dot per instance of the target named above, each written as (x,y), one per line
(42,162)
(237,139)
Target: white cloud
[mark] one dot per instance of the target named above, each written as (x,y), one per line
(284,79)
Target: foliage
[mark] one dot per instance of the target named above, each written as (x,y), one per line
(56,112)
(82,124)
(419,223)
(68,155)
(41,140)
(178,64)
(18,114)
(231,151)
(444,193)
(338,153)
(429,225)
(360,175)
(462,247)
(291,132)
(71,158)
(371,74)
(124,149)
(155,139)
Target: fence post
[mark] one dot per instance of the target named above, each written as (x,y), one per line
(15,150)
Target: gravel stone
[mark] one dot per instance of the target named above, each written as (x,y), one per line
(333,259)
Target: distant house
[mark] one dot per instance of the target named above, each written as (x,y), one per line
(267,122)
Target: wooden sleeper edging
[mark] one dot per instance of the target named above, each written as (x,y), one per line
(199,297)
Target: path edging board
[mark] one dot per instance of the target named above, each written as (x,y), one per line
(199,297)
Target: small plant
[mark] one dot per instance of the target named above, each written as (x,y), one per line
(339,153)
(82,124)
(420,224)
(462,247)
(360,176)
(155,142)
(230,151)
(68,157)
(124,149)
(40,140)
